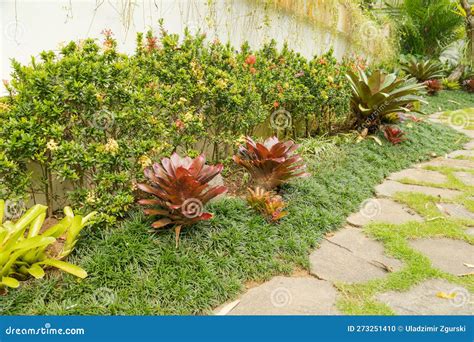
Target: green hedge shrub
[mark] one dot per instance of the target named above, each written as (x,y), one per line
(94,118)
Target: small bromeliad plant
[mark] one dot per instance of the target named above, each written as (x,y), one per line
(270,205)
(26,247)
(271,163)
(180,189)
(433,86)
(394,134)
(469,85)
(450,85)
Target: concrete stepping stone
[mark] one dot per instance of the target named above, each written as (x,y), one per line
(420,175)
(389,188)
(351,257)
(432,297)
(435,116)
(465,177)
(470,231)
(456,211)
(448,255)
(469,145)
(465,153)
(382,210)
(468,132)
(289,296)
(454,163)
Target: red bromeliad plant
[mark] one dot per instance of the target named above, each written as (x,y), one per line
(272,163)
(180,187)
(469,85)
(394,134)
(433,86)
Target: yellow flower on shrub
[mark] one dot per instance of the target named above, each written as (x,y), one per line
(91,197)
(144,161)
(111,146)
(52,145)
(221,83)
(188,117)
(240,140)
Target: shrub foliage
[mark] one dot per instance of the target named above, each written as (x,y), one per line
(94,118)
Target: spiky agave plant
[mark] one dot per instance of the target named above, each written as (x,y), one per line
(180,187)
(424,69)
(376,96)
(272,163)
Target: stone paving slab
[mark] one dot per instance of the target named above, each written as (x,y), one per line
(289,296)
(469,145)
(454,163)
(465,153)
(420,175)
(468,132)
(382,210)
(446,254)
(389,188)
(465,177)
(435,116)
(456,211)
(425,299)
(350,256)
(470,231)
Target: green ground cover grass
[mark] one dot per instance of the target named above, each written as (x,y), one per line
(448,100)
(134,272)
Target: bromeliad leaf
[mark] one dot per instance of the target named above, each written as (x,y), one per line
(66,267)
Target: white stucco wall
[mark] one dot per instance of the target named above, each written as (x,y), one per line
(28,27)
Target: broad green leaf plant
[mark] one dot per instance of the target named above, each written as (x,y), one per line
(377,95)
(25,248)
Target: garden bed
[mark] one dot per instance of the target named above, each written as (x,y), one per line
(133,272)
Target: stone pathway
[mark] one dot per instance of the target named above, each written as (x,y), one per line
(350,257)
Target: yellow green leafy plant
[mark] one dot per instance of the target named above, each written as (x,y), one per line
(26,248)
